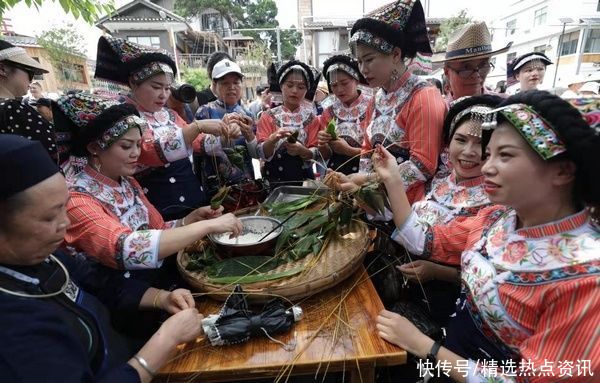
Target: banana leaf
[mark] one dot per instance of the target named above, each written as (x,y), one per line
(248,269)
(331,129)
(279,209)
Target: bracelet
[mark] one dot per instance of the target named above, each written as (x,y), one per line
(197,125)
(144,364)
(432,354)
(182,222)
(156,299)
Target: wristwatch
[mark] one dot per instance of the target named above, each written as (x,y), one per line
(432,354)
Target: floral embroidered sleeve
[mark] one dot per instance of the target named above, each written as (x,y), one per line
(101,236)
(164,144)
(423,118)
(265,127)
(564,344)
(442,243)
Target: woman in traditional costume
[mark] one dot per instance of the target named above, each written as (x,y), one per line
(168,180)
(112,221)
(530,265)
(346,113)
(529,70)
(54,324)
(287,134)
(407,113)
(452,196)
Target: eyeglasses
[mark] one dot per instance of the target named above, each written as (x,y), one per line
(25,69)
(482,70)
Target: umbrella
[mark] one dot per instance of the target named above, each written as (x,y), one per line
(236,323)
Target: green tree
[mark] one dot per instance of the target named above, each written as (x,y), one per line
(88,10)
(63,47)
(231,10)
(196,77)
(243,14)
(448,27)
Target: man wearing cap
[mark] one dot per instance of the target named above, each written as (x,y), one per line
(217,167)
(17,70)
(467,60)
(529,70)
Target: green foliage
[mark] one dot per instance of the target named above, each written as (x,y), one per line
(196,77)
(242,14)
(64,46)
(448,27)
(88,10)
(232,10)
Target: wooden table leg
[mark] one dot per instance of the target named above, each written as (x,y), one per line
(366,374)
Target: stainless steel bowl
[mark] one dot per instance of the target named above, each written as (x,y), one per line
(255,227)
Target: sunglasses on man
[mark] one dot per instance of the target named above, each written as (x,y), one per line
(24,68)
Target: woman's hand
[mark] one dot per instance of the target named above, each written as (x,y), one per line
(176,300)
(385,164)
(297,149)
(339,181)
(279,134)
(212,126)
(323,138)
(340,146)
(227,223)
(419,271)
(183,327)
(246,126)
(202,213)
(396,329)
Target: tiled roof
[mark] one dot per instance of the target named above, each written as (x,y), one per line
(22,41)
(170,16)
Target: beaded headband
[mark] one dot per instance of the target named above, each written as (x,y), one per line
(538,133)
(344,68)
(112,135)
(152,69)
(294,68)
(367,38)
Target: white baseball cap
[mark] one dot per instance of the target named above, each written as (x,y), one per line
(590,86)
(224,67)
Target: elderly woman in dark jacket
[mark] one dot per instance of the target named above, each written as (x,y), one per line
(54,325)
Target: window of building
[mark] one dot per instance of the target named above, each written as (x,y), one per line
(540,48)
(149,41)
(511,56)
(592,44)
(568,45)
(211,22)
(73,72)
(511,27)
(598,7)
(539,17)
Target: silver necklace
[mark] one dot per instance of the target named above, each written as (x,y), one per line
(24,278)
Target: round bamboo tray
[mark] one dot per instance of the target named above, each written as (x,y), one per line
(338,259)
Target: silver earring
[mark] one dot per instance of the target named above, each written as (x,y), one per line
(394,75)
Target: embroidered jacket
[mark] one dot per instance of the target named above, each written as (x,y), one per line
(280,165)
(349,127)
(164,141)
(113,222)
(411,117)
(446,200)
(532,291)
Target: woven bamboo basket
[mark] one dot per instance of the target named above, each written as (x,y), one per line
(338,259)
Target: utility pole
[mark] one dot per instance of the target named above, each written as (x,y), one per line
(278,30)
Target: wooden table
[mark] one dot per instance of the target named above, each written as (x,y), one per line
(337,333)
